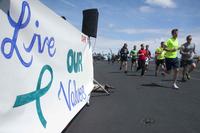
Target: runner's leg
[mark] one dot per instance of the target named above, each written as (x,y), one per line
(176,71)
(121,63)
(132,64)
(157,66)
(175,64)
(192,67)
(139,65)
(143,67)
(184,72)
(126,66)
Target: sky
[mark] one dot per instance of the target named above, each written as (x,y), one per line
(134,21)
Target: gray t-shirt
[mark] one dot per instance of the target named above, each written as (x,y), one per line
(187,51)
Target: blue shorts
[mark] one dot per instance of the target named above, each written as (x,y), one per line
(172,63)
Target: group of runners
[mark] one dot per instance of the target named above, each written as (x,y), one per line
(166,58)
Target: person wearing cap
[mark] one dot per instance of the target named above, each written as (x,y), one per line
(171,59)
(187,52)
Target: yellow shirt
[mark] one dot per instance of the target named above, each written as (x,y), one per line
(170,45)
(161,54)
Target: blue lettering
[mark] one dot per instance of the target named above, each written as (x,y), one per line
(74,61)
(74,96)
(12,42)
(65,96)
(80,68)
(17,26)
(70,58)
(49,42)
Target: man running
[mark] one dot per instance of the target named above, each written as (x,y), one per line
(141,59)
(171,58)
(124,57)
(148,57)
(113,58)
(133,55)
(160,58)
(187,51)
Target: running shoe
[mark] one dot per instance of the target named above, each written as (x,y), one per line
(175,86)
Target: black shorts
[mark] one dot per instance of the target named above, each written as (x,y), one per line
(133,60)
(158,62)
(185,63)
(124,58)
(172,63)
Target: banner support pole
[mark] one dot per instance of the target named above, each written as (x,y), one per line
(100,86)
(95,81)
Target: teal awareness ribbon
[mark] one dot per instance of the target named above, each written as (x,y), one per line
(35,95)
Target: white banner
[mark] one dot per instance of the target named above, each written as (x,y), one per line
(46,69)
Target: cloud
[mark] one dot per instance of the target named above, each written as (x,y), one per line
(143,31)
(104,43)
(110,25)
(68,3)
(146,9)
(162,3)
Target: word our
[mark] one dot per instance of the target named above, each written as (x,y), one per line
(74,61)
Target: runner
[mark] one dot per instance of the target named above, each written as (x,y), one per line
(148,57)
(141,59)
(109,58)
(160,58)
(124,57)
(113,58)
(171,58)
(133,55)
(187,51)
